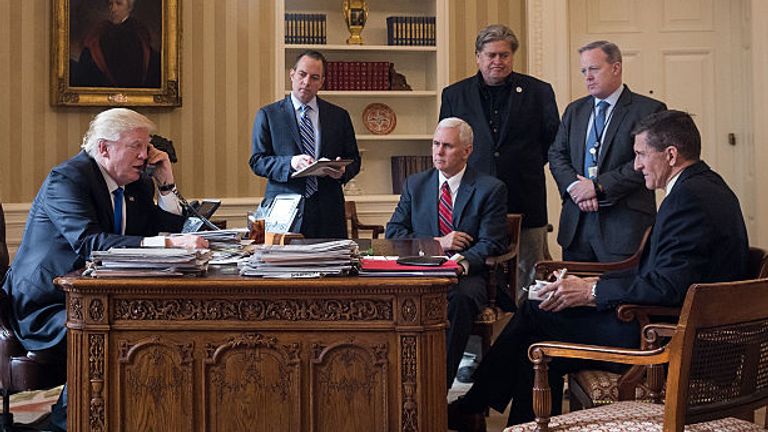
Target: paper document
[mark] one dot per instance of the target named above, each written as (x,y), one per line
(317,167)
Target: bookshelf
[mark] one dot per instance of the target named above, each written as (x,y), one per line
(424,67)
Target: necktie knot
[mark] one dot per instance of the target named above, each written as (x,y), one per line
(602,106)
(305,109)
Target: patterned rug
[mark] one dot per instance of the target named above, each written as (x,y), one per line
(32,408)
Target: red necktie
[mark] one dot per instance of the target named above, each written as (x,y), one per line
(445,210)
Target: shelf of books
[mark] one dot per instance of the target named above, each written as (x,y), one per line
(391,84)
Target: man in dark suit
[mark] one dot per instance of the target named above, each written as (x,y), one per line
(466,212)
(99,199)
(606,209)
(514,118)
(699,236)
(292,133)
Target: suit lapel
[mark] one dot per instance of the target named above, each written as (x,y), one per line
(466,190)
(431,201)
(290,114)
(513,106)
(322,119)
(102,195)
(617,117)
(579,138)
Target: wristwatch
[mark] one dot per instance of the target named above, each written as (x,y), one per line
(594,291)
(166,187)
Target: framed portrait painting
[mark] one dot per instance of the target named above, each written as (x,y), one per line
(115,53)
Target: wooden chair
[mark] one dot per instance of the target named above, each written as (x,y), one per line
(19,369)
(502,274)
(717,359)
(350,214)
(589,388)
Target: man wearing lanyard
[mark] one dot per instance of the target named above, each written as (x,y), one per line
(606,209)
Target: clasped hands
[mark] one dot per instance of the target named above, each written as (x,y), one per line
(302,161)
(584,195)
(571,291)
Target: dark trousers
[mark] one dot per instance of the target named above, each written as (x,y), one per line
(507,374)
(588,244)
(465,301)
(56,356)
(316,222)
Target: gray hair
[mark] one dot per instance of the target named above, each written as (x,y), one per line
(110,124)
(466,136)
(611,50)
(493,33)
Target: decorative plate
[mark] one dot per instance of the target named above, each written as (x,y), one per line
(379,119)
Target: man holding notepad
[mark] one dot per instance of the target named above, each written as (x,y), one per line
(465,211)
(303,134)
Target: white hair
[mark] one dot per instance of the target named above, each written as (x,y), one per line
(466,136)
(110,124)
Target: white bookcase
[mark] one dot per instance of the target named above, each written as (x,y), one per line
(425,68)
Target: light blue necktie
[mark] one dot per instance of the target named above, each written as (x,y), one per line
(118,193)
(308,146)
(592,149)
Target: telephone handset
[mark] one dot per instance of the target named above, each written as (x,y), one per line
(149,169)
(162,144)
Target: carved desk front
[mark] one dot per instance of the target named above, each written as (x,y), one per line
(225,353)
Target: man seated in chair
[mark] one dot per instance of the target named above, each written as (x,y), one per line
(465,211)
(699,236)
(99,199)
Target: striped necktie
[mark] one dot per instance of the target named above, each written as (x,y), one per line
(445,210)
(118,193)
(308,146)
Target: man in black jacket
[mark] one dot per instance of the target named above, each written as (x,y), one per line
(514,118)
(699,236)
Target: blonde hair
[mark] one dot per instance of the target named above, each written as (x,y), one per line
(110,124)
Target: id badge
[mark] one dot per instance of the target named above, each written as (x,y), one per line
(592,171)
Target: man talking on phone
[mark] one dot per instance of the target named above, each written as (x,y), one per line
(99,199)
(291,134)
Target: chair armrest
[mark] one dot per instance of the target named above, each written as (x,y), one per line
(540,354)
(576,268)
(494,261)
(643,313)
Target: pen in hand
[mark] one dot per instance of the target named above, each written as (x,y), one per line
(561,276)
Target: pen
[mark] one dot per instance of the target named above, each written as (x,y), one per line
(560,277)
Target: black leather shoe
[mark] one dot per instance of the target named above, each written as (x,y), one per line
(464,374)
(462,420)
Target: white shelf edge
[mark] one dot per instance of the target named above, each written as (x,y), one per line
(375,93)
(339,47)
(394,137)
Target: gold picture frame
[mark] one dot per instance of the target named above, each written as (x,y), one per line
(85,69)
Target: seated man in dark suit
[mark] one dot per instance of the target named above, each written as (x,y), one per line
(466,212)
(99,199)
(699,236)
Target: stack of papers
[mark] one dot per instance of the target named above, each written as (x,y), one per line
(301,261)
(387,266)
(148,262)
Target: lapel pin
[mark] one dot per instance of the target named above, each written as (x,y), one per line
(519,89)
(130,198)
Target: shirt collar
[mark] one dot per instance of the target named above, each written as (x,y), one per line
(613,98)
(507,80)
(111,184)
(454,182)
(672,182)
(297,104)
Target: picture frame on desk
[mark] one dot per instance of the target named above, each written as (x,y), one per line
(84,69)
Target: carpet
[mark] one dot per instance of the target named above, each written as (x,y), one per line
(32,408)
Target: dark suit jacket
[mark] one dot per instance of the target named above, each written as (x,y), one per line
(276,140)
(479,211)
(630,206)
(519,155)
(699,236)
(70,217)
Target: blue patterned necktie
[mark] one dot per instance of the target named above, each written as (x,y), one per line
(307,132)
(592,150)
(118,193)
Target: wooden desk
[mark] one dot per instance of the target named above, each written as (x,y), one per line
(226,353)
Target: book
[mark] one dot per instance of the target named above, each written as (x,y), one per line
(319,166)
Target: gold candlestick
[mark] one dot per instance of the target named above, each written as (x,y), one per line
(355,15)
